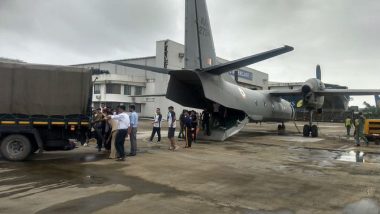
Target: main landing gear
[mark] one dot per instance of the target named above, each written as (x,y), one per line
(281,128)
(310,129)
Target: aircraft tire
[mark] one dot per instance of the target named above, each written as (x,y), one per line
(281,129)
(306,130)
(314,131)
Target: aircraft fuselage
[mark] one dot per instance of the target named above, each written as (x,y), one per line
(198,89)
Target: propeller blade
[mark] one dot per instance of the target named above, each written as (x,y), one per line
(318,72)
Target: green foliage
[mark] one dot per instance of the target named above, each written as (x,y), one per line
(371,112)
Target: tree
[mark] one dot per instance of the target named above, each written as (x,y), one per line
(370,111)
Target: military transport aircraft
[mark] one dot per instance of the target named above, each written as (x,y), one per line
(203,82)
(313,93)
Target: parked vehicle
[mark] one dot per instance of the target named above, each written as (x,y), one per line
(42,107)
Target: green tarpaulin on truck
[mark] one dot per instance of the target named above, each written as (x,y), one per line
(43,89)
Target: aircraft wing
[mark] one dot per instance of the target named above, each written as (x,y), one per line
(289,92)
(239,63)
(142,67)
(352,92)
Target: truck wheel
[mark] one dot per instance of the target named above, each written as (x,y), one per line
(16,147)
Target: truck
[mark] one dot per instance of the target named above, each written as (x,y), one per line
(372,129)
(42,107)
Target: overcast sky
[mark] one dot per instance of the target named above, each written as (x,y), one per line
(343,36)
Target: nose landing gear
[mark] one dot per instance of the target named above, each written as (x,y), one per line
(281,128)
(310,129)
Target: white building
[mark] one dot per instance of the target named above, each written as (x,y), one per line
(124,85)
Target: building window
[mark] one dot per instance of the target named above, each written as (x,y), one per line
(138,107)
(113,88)
(96,88)
(127,90)
(138,90)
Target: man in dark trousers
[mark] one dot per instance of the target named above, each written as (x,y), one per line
(181,124)
(172,121)
(134,121)
(194,124)
(206,121)
(188,132)
(98,125)
(359,134)
(123,129)
(156,126)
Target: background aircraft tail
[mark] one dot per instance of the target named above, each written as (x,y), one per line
(318,72)
(199,44)
(377,100)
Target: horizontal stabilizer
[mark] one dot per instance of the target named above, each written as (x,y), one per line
(352,92)
(239,63)
(142,67)
(285,92)
(149,95)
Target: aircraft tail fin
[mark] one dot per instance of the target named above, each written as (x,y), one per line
(199,44)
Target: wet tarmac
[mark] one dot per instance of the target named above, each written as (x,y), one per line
(255,171)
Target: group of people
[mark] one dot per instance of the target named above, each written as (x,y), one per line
(358,123)
(172,121)
(110,128)
(189,127)
(188,121)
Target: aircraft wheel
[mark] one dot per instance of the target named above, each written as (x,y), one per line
(281,129)
(306,130)
(314,131)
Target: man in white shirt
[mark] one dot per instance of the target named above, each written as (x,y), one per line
(172,125)
(123,129)
(156,126)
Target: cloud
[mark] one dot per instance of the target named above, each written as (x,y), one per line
(42,31)
(341,35)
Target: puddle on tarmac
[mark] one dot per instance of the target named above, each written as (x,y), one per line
(90,158)
(358,157)
(325,156)
(364,206)
(351,156)
(91,179)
